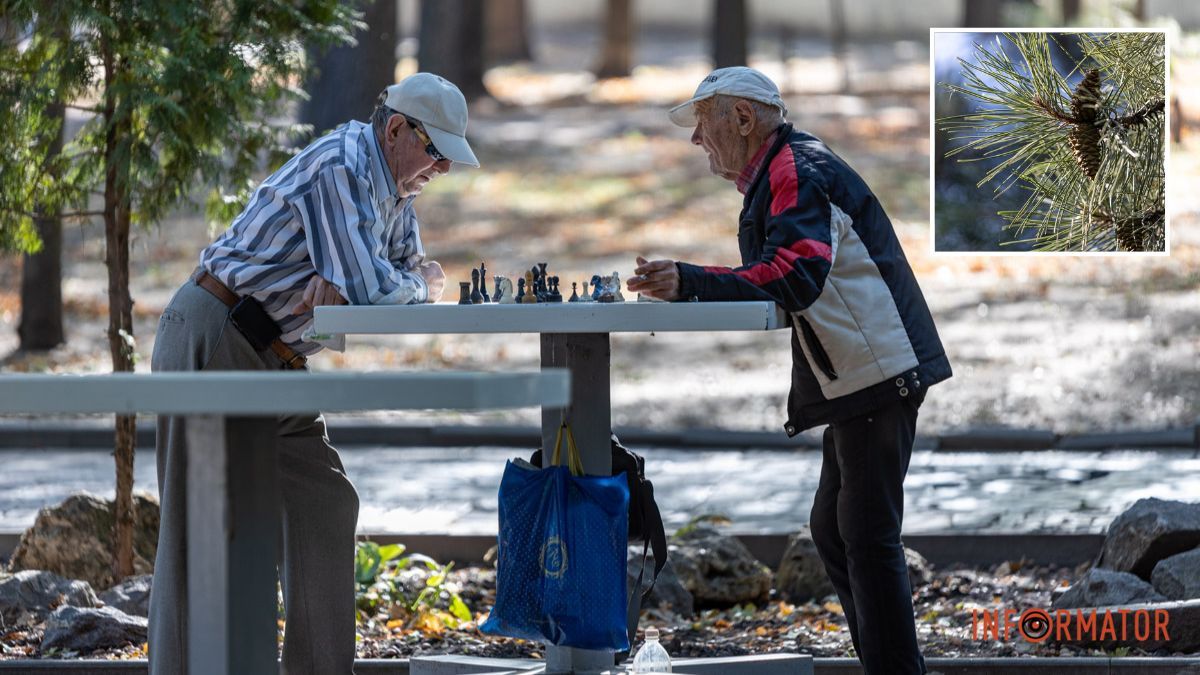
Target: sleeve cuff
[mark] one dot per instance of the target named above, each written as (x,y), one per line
(689,288)
(422,294)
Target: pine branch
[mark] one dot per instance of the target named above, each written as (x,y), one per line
(1141,115)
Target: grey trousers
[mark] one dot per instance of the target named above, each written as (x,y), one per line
(319,506)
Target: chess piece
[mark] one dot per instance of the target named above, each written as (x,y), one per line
(586,297)
(606,294)
(505,294)
(476,296)
(575,292)
(483,282)
(596,289)
(464,292)
(552,293)
(530,297)
(496,290)
(616,288)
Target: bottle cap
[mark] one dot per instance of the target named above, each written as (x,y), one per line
(651,633)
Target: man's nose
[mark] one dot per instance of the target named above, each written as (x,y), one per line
(696,135)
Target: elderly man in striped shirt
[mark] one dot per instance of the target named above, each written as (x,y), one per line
(334,225)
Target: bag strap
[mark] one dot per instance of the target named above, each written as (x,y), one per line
(656,539)
(574,461)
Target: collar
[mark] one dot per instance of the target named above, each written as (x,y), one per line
(381,175)
(746,178)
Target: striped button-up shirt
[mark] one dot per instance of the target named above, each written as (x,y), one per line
(332,210)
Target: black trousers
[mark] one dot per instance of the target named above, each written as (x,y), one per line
(855,524)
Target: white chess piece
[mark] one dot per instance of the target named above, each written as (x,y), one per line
(507,296)
(616,288)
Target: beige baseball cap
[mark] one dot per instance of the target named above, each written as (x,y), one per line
(440,107)
(738,81)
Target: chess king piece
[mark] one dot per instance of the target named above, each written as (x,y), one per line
(596,288)
(616,288)
(530,297)
(483,282)
(464,292)
(575,292)
(586,297)
(496,290)
(476,296)
(505,295)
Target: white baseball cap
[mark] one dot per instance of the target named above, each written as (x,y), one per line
(440,107)
(738,81)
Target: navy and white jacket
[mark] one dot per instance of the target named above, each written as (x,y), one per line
(815,240)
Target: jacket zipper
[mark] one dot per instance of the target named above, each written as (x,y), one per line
(818,352)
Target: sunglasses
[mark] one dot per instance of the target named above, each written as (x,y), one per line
(424,138)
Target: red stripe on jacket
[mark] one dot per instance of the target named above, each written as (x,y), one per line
(782,174)
(761,274)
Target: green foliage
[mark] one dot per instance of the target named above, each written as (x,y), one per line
(1090,156)
(181,94)
(382,586)
(702,519)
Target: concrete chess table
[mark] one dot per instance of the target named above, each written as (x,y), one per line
(574,336)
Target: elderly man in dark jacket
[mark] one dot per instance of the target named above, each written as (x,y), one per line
(816,241)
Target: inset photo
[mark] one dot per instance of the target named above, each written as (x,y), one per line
(1049,141)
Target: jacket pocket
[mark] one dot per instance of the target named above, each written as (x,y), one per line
(814,347)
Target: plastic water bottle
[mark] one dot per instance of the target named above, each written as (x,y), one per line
(652,657)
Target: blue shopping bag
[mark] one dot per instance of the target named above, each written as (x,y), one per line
(560,568)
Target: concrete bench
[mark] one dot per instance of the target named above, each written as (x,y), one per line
(233,499)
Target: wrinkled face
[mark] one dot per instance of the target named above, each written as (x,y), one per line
(717,131)
(411,165)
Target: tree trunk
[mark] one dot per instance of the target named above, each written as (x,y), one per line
(837,38)
(346,80)
(617,58)
(982,13)
(730,33)
(450,43)
(1070,10)
(41,325)
(507,38)
(120,304)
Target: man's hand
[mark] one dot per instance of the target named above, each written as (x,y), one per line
(656,278)
(434,277)
(318,292)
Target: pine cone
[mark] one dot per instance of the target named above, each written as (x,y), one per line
(1139,117)
(1084,138)
(1131,230)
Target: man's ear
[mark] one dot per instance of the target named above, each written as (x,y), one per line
(394,124)
(744,116)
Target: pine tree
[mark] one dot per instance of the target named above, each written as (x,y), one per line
(1090,155)
(181,94)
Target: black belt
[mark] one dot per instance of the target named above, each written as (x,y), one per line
(291,358)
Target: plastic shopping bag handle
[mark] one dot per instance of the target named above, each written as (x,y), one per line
(574,461)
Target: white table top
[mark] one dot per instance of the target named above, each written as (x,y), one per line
(272,392)
(564,317)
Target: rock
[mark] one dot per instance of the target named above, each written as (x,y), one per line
(1147,532)
(920,572)
(84,630)
(29,596)
(74,539)
(1169,626)
(1104,588)
(131,596)
(801,576)
(719,570)
(1178,577)
(669,592)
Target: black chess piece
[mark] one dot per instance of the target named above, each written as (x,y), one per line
(496,291)
(464,292)
(483,282)
(574,292)
(553,295)
(476,296)
(520,289)
(595,287)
